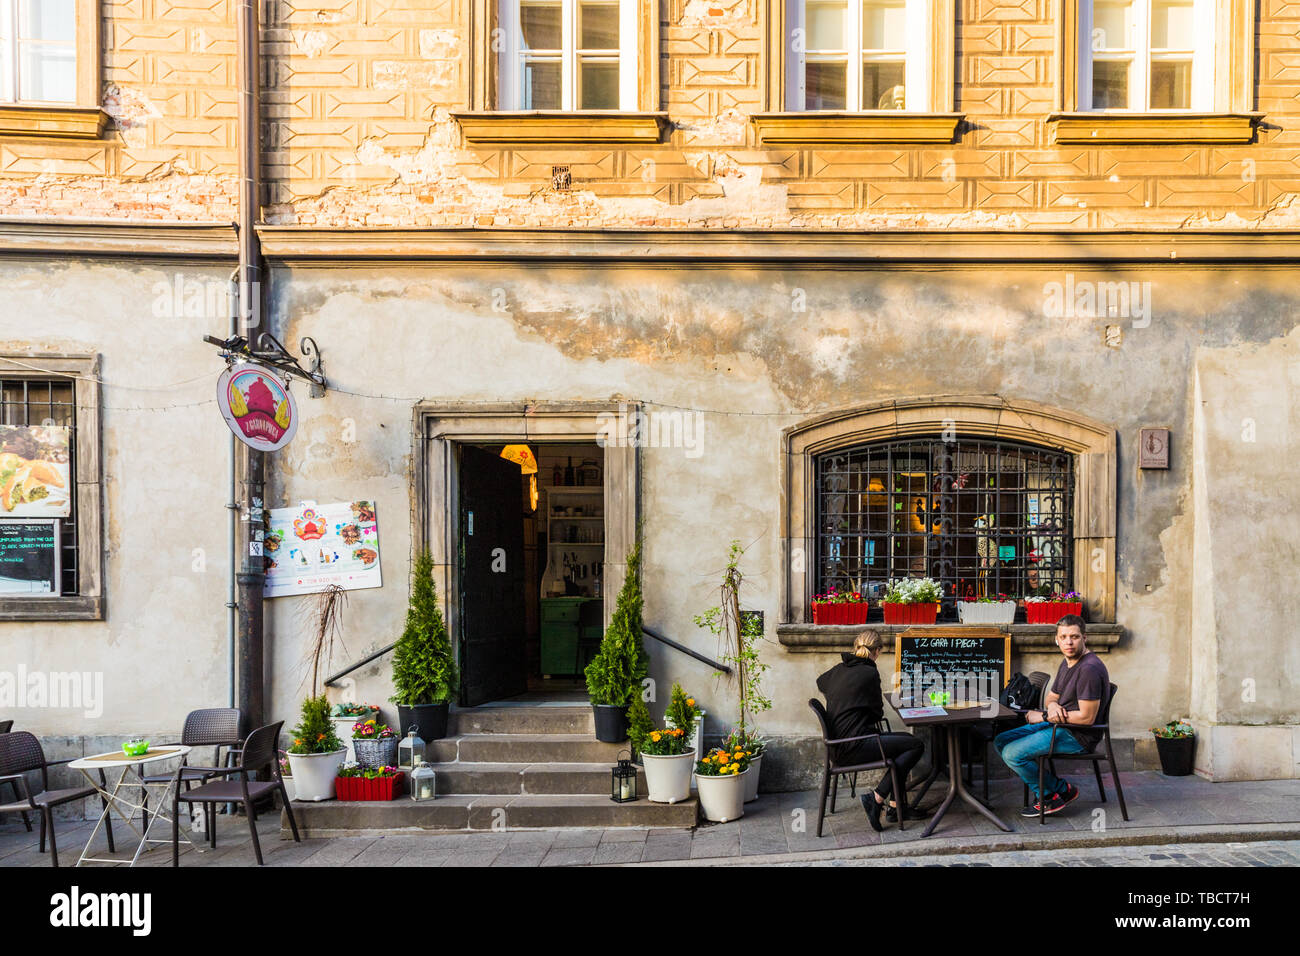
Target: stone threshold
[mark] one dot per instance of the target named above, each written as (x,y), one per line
(1025,638)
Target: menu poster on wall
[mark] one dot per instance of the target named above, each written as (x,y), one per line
(35,480)
(29,557)
(313,546)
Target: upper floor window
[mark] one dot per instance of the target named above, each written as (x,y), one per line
(568,55)
(38,51)
(1147,55)
(856,55)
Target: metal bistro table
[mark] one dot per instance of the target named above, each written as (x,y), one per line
(117,801)
(947,725)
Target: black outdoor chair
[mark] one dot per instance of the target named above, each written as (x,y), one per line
(980,736)
(5,727)
(258,754)
(20,753)
(216,727)
(882,727)
(833,770)
(1102,724)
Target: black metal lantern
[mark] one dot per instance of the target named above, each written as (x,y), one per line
(622,780)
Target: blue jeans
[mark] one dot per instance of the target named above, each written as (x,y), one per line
(1019,748)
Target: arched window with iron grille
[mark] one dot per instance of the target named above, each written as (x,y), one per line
(982,517)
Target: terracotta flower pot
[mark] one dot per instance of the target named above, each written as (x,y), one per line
(1049,612)
(838,613)
(910,613)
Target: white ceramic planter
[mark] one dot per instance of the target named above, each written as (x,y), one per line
(751,782)
(313,774)
(697,735)
(722,798)
(288,787)
(994,612)
(343,731)
(668,779)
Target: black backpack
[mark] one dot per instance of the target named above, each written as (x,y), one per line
(1020,693)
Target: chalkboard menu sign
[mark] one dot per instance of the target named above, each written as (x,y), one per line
(967,663)
(29,557)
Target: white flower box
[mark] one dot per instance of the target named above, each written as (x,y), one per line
(987,612)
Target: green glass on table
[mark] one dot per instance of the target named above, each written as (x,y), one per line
(136,747)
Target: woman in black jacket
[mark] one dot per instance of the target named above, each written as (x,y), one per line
(855,706)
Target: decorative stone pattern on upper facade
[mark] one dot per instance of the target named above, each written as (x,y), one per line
(359,132)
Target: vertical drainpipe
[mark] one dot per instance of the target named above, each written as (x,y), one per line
(232,521)
(252,576)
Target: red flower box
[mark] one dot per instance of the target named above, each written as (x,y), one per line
(1049,612)
(825,612)
(910,613)
(359,788)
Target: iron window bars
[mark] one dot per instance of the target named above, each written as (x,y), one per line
(981,517)
(25,401)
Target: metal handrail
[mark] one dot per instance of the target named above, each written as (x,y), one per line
(686,650)
(333,678)
(329,681)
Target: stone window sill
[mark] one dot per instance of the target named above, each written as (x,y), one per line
(819,128)
(72,608)
(1101,128)
(1025,638)
(546,128)
(52,122)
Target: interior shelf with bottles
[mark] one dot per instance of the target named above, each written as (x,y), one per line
(575,541)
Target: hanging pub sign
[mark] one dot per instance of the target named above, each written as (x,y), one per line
(29,557)
(257,406)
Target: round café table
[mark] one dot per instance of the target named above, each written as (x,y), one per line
(93,769)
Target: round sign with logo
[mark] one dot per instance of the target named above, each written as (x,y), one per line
(257,406)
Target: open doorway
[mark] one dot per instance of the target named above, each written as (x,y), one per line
(531,556)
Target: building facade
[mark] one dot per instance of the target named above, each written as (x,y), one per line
(910,318)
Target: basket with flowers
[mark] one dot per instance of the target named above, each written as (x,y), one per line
(375,743)
(1051,608)
(667,757)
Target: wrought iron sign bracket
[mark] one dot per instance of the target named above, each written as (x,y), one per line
(271,352)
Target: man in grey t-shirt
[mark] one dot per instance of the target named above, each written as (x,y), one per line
(1073,702)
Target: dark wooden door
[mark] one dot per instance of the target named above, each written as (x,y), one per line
(492,641)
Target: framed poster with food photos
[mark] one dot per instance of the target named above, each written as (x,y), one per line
(311,546)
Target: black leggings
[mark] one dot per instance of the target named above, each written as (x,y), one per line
(905,750)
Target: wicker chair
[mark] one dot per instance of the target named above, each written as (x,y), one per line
(258,754)
(21,753)
(5,727)
(216,727)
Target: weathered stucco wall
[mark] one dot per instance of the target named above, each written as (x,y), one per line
(731,344)
(727,342)
(162,649)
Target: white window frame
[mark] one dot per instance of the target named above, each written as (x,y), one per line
(1140,76)
(11,80)
(916,68)
(512,54)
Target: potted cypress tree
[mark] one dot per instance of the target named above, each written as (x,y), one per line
(316,753)
(614,675)
(424,671)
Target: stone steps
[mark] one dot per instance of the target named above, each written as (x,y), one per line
(507,767)
(524,748)
(521,778)
(522,720)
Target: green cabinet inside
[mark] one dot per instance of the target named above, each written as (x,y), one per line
(571,630)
